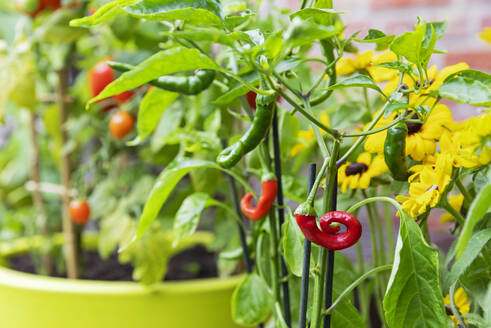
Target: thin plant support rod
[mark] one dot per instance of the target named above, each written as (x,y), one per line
(330,258)
(71,253)
(281,215)
(304,292)
(242,233)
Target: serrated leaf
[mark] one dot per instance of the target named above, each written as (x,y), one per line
(165,184)
(479,207)
(162,63)
(200,12)
(153,104)
(251,303)
(356,81)
(413,297)
(474,247)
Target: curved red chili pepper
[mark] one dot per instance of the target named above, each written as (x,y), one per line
(268,196)
(330,237)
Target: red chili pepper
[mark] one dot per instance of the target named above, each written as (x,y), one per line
(270,188)
(329,237)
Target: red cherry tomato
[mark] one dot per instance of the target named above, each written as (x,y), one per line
(100,76)
(79,211)
(34,7)
(121,124)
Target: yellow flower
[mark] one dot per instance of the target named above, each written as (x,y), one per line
(421,139)
(358,174)
(426,186)
(486,35)
(367,61)
(307,136)
(435,79)
(461,301)
(456,202)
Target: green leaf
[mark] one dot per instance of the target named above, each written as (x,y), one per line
(251,303)
(162,63)
(187,217)
(153,104)
(474,247)
(356,81)
(479,207)
(200,12)
(302,32)
(103,14)
(237,18)
(170,122)
(409,43)
(293,240)
(413,297)
(253,78)
(209,34)
(317,15)
(468,86)
(166,182)
(379,38)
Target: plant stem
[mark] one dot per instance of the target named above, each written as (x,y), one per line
(355,283)
(372,210)
(455,311)
(362,138)
(465,192)
(318,179)
(319,281)
(71,254)
(46,260)
(389,230)
(366,133)
(446,206)
(281,214)
(317,132)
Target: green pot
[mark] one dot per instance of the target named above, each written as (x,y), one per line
(33,301)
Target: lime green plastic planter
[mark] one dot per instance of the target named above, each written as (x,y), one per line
(33,301)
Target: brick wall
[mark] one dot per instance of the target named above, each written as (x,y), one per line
(465,18)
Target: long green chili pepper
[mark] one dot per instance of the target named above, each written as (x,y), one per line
(188,85)
(254,135)
(395,151)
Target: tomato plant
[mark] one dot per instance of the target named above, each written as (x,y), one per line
(79,211)
(121,124)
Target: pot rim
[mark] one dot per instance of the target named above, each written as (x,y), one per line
(22,280)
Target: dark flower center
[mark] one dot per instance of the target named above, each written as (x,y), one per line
(448,310)
(355,168)
(413,127)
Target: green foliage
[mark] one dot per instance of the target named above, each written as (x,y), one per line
(468,86)
(153,105)
(251,303)
(413,296)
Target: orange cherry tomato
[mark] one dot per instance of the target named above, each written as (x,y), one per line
(121,124)
(79,211)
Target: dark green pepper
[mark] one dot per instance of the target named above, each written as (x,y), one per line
(265,106)
(188,85)
(395,151)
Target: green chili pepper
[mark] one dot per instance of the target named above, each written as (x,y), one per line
(261,123)
(395,151)
(188,85)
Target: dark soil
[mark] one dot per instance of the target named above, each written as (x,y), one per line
(194,263)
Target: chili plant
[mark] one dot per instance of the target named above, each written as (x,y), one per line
(374,122)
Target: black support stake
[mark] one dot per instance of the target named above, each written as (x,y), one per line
(304,292)
(281,215)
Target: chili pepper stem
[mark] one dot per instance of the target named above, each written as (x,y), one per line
(319,282)
(465,192)
(304,292)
